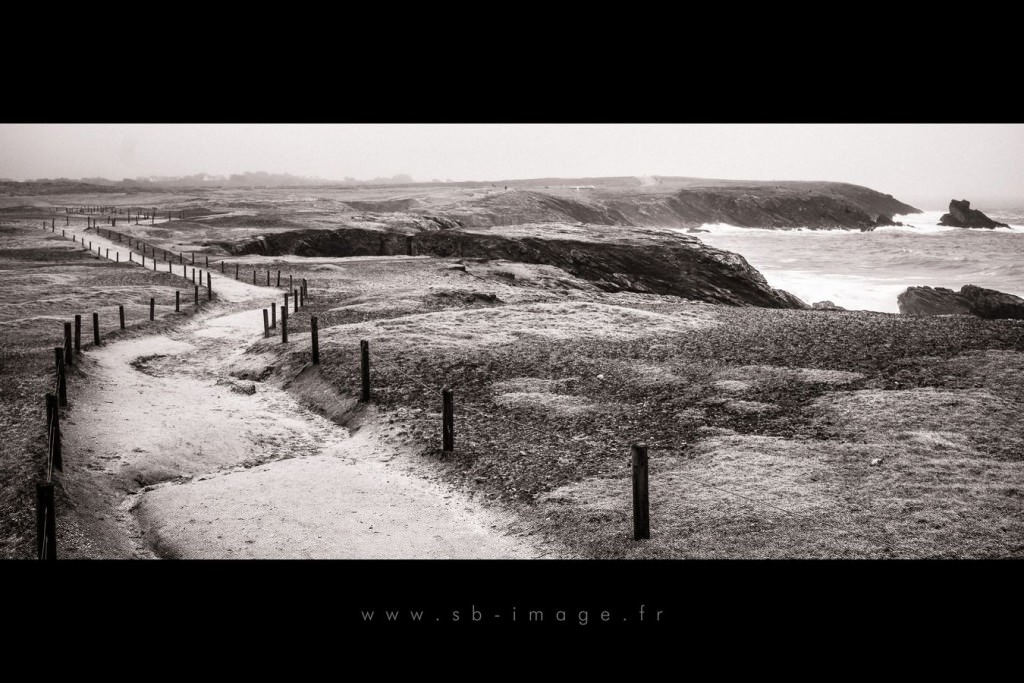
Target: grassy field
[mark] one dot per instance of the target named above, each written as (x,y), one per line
(771,433)
(47,280)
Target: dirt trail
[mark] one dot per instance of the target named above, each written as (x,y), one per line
(173,458)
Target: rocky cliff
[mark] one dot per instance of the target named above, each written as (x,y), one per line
(961,215)
(637,260)
(782,205)
(984,303)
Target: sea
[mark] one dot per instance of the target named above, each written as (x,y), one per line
(868,270)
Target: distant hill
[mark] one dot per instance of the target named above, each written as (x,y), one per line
(255,179)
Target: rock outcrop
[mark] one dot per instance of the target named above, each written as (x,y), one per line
(645,260)
(780,205)
(961,215)
(984,303)
(826,306)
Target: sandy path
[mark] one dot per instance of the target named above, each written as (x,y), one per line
(202,470)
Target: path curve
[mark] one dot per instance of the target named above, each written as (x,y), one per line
(202,469)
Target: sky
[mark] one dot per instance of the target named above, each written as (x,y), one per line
(923,164)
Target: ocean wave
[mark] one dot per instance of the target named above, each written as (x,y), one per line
(914,223)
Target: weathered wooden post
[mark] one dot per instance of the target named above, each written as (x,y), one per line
(236,271)
(290,286)
(222,267)
(254,276)
(284,324)
(279,278)
(46,523)
(197,294)
(641,510)
(68,358)
(209,287)
(448,421)
(62,380)
(273,314)
(295,299)
(193,276)
(302,297)
(364,370)
(193,257)
(53,429)
(152,308)
(266,323)
(207,262)
(78,333)
(96,329)
(120,314)
(315,338)
(285,304)
(268,278)
(177,301)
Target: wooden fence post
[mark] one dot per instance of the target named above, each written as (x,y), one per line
(302,297)
(197,294)
(53,431)
(268,278)
(295,300)
(273,314)
(284,324)
(222,267)
(62,380)
(120,314)
(96,328)
(448,421)
(266,323)
(152,308)
(278,278)
(364,369)
(177,301)
(290,286)
(68,359)
(641,509)
(254,276)
(209,287)
(46,523)
(314,333)
(78,333)
(236,271)
(285,308)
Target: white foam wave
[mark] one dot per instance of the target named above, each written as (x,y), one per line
(926,222)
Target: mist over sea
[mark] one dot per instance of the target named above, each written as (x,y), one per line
(867,270)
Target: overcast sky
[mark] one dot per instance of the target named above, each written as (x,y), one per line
(922,164)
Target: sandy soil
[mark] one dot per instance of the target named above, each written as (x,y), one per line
(197,467)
